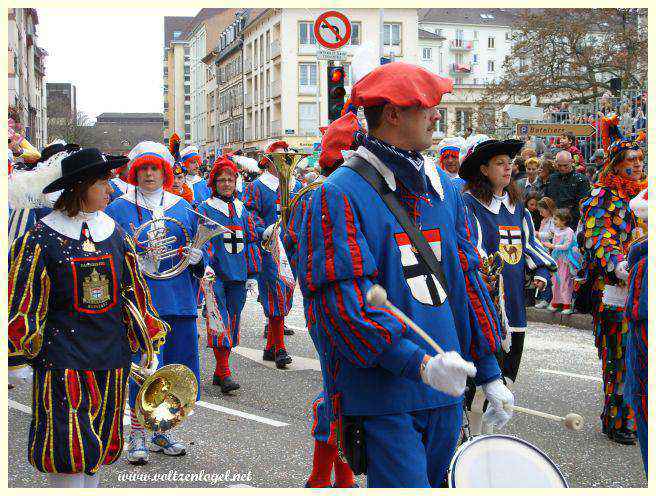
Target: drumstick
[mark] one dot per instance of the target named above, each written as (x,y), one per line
(378,296)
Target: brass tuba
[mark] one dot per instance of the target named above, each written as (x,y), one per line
(158,244)
(285,164)
(166,397)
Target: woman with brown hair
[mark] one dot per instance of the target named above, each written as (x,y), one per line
(502,224)
(69,279)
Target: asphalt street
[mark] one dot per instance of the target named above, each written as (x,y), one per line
(260,435)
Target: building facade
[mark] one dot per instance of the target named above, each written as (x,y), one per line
(61,101)
(176,79)
(116,133)
(285,86)
(26,75)
(472,48)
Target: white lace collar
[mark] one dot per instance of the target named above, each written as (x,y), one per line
(431,172)
(221,206)
(101,225)
(495,204)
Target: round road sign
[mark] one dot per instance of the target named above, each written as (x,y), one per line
(332,29)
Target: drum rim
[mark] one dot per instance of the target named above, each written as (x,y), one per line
(472,440)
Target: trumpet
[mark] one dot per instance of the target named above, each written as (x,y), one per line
(285,163)
(166,397)
(158,245)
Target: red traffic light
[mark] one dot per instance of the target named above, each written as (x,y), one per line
(337,75)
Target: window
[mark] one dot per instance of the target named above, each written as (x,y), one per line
(392,34)
(475,58)
(176,34)
(490,42)
(507,35)
(355,34)
(441,123)
(460,34)
(463,119)
(457,80)
(475,35)
(307,119)
(490,66)
(187,128)
(427,53)
(306,33)
(187,79)
(186,70)
(307,78)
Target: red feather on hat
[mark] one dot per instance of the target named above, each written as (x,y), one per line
(174,146)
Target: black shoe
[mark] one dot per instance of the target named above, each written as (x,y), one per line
(266,331)
(269,355)
(282,358)
(227,384)
(623,436)
(288,331)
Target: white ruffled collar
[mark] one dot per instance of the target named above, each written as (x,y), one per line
(269,180)
(495,204)
(101,225)
(221,206)
(163,203)
(430,170)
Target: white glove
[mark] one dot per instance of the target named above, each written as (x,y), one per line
(267,233)
(22,374)
(251,286)
(153,366)
(507,341)
(448,373)
(209,273)
(195,255)
(500,402)
(621,272)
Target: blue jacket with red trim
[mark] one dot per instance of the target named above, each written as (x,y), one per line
(348,241)
(637,305)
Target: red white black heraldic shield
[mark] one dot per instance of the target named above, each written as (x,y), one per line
(510,244)
(234,241)
(95,285)
(423,284)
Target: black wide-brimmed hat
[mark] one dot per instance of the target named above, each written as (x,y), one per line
(484,151)
(82,164)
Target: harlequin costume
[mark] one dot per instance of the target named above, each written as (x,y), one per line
(608,223)
(184,190)
(174,298)
(338,137)
(69,280)
(262,198)
(507,228)
(197,184)
(636,312)
(370,362)
(227,257)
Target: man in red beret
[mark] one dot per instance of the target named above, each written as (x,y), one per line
(262,197)
(398,405)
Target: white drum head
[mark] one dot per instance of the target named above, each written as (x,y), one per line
(502,461)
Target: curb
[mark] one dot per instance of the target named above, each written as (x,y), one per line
(576,320)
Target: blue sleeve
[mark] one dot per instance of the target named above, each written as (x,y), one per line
(537,257)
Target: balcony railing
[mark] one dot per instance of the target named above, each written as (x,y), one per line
(459,44)
(276,89)
(460,68)
(275,49)
(276,129)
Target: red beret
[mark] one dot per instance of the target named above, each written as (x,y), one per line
(402,84)
(338,137)
(220,164)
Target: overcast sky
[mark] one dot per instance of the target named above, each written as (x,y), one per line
(112,56)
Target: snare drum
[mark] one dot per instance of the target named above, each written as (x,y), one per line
(502,461)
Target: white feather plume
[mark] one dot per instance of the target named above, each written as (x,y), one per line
(470,144)
(640,205)
(246,163)
(365,59)
(26,186)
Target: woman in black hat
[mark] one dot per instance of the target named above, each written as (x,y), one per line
(70,276)
(500,223)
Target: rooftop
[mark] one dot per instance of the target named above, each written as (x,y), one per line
(173,24)
(427,35)
(489,17)
(130,116)
(202,15)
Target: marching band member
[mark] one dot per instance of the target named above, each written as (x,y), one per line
(609,223)
(262,197)
(227,263)
(448,151)
(501,223)
(69,277)
(636,314)
(339,136)
(383,377)
(179,186)
(175,298)
(190,158)
(119,183)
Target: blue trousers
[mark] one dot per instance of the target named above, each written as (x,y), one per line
(181,346)
(230,298)
(642,428)
(411,449)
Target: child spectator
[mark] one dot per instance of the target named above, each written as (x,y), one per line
(546,207)
(532,199)
(568,261)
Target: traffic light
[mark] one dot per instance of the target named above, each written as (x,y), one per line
(336,92)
